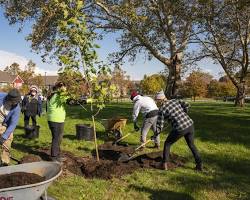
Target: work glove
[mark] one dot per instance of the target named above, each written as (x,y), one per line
(136,128)
(2,140)
(154,137)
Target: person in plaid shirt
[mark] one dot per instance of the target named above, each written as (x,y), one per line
(175,112)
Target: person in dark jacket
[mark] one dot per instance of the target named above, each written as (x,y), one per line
(9,117)
(31,106)
(175,112)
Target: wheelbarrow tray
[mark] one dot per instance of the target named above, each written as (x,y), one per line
(49,170)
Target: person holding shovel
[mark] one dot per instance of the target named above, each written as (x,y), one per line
(9,117)
(175,111)
(31,106)
(56,117)
(149,109)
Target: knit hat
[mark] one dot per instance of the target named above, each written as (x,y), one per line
(14,96)
(160,95)
(133,95)
(33,87)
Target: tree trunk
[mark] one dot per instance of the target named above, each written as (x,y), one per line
(240,97)
(174,79)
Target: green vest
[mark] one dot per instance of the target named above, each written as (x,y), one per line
(56,108)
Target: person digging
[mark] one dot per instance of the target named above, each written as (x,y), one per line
(149,109)
(9,117)
(31,106)
(175,111)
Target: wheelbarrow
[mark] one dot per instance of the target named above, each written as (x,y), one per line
(49,170)
(114,126)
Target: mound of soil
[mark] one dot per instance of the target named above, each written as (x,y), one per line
(19,179)
(30,158)
(109,165)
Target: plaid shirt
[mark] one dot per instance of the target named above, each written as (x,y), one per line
(175,111)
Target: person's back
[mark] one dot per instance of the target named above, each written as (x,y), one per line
(177,115)
(145,103)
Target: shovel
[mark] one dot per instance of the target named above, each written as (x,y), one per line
(126,157)
(6,148)
(115,142)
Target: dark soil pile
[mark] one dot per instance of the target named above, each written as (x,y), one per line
(19,179)
(109,165)
(30,158)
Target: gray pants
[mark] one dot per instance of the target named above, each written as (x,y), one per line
(147,124)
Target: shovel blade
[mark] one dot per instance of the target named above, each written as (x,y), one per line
(124,158)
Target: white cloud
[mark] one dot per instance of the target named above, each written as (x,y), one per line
(7,58)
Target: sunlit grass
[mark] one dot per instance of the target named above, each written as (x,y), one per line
(222,137)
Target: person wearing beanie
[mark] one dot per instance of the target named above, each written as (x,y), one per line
(175,111)
(149,110)
(9,117)
(56,116)
(31,106)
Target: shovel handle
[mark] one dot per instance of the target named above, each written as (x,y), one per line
(143,144)
(122,138)
(6,148)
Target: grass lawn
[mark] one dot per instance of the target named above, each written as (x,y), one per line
(222,137)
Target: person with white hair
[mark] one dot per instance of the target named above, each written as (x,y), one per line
(31,106)
(175,112)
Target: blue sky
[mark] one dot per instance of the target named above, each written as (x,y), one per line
(14,48)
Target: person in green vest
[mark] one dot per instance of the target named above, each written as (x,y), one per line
(56,116)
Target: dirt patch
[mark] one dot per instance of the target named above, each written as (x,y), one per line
(109,165)
(30,158)
(19,179)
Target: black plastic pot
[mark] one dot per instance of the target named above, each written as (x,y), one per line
(32,132)
(84,132)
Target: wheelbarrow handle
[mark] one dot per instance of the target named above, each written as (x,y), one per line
(143,144)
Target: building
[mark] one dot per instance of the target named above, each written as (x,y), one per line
(49,81)
(6,79)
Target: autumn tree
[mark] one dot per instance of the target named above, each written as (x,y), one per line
(152,84)
(121,81)
(225,28)
(197,83)
(214,89)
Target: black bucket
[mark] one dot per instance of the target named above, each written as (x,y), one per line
(32,132)
(84,132)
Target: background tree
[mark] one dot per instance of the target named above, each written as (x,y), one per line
(160,29)
(197,83)
(152,84)
(74,82)
(225,27)
(13,69)
(121,81)
(214,89)
(29,76)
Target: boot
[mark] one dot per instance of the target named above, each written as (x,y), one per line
(198,167)
(163,166)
